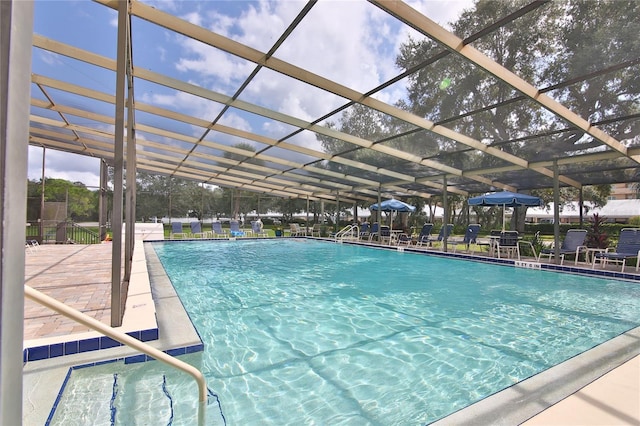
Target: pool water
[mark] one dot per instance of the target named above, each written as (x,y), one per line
(308,332)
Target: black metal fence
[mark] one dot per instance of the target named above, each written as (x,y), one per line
(65,232)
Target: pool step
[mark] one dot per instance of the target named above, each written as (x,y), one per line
(119,394)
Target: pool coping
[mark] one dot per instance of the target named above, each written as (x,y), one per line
(528,398)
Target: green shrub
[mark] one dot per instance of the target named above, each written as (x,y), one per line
(635,221)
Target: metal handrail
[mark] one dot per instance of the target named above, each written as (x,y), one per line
(347,231)
(81,234)
(125,339)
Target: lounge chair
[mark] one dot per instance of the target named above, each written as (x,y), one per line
(425,234)
(316,231)
(444,231)
(295,230)
(573,243)
(373,232)
(176,230)
(470,237)
(364,231)
(628,247)
(196,230)
(217,231)
(235,230)
(257,230)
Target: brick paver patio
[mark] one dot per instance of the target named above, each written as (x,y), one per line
(75,274)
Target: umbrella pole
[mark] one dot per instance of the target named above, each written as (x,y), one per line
(504,215)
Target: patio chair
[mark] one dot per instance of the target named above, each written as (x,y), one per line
(444,230)
(31,245)
(573,243)
(628,247)
(257,230)
(373,233)
(316,231)
(470,237)
(295,230)
(177,231)
(217,231)
(404,239)
(425,234)
(235,230)
(196,230)
(507,244)
(385,235)
(364,231)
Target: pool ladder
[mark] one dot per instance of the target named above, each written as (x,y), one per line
(349,232)
(127,340)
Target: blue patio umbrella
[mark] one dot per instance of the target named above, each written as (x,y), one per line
(505,199)
(393,206)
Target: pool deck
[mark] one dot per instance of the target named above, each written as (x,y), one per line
(80,276)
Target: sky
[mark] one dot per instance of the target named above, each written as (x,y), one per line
(366,39)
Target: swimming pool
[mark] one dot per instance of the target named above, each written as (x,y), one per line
(300,331)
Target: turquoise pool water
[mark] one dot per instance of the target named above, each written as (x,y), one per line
(307,332)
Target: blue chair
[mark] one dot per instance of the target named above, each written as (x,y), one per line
(404,240)
(628,247)
(217,231)
(235,229)
(364,231)
(573,243)
(176,230)
(196,230)
(373,233)
(425,234)
(445,231)
(470,237)
(257,230)
(385,235)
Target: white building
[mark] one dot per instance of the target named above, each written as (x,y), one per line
(614,211)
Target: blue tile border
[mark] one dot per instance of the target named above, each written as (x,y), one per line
(173,352)
(38,353)
(585,270)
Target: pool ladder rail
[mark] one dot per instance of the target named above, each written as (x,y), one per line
(349,233)
(127,340)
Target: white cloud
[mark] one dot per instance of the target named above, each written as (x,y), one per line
(181,101)
(442,12)
(50,58)
(63,165)
(352,43)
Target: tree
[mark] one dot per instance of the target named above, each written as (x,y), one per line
(81,202)
(152,195)
(556,43)
(243,201)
